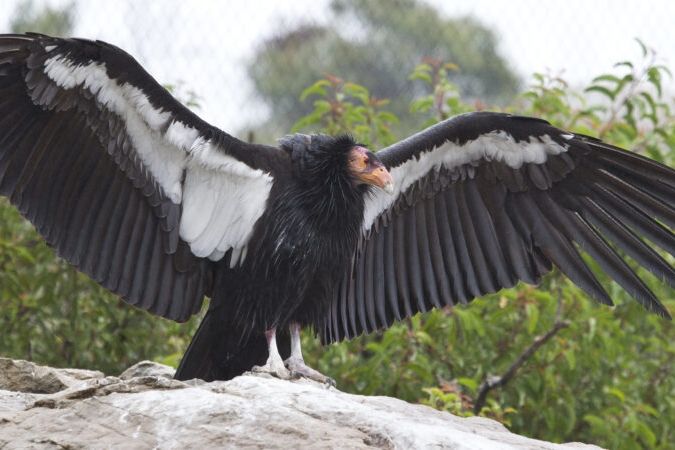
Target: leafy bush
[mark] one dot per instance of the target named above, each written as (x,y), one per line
(52,314)
(603,376)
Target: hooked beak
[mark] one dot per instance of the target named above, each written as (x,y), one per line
(370,172)
(381,178)
(385,181)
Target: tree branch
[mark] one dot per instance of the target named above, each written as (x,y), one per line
(492,382)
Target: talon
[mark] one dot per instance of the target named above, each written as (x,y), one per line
(298,369)
(274,365)
(296,363)
(272,369)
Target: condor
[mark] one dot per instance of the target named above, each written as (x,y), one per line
(164,209)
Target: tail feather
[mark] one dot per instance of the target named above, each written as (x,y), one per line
(218,353)
(197,361)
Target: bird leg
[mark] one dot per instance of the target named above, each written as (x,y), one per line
(274,365)
(296,363)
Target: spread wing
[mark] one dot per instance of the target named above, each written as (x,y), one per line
(483,200)
(126,183)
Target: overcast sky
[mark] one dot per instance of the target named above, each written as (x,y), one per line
(207,43)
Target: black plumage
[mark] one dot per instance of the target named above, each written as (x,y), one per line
(164,209)
(503,224)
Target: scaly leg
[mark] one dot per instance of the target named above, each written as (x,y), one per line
(296,363)
(274,365)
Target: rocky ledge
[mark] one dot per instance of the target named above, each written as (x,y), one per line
(43,407)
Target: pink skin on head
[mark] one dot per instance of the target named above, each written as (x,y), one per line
(369,170)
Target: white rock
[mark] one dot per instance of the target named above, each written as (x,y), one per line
(25,376)
(250,411)
(146,369)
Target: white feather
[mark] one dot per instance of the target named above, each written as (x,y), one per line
(216,255)
(218,226)
(181,135)
(234,259)
(234,204)
(222,197)
(199,203)
(164,161)
(497,145)
(204,152)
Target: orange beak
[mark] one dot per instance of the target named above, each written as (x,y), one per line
(379,177)
(369,170)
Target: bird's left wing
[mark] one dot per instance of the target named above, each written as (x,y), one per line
(483,200)
(125,182)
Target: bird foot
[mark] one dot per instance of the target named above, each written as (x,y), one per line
(274,368)
(298,369)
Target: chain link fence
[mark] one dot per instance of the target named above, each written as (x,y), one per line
(237,56)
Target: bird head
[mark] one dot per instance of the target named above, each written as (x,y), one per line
(367,168)
(320,154)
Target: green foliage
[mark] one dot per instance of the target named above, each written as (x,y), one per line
(47,19)
(444,99)
(608,378)
(628,107)
(50,313)
(375,42)
(348,108)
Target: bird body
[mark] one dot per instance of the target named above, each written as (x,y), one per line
(298,253)
(165,209)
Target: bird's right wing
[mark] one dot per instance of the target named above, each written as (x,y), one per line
(483,200)
(125,182)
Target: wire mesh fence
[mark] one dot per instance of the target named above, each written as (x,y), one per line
(246,61)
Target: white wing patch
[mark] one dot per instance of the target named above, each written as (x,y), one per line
(222,197)
(219,210)
(143,122)
(497,146)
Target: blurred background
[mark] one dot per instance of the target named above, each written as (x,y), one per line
(382,69)
(248,61)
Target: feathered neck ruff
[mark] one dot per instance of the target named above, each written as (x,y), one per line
(326,188)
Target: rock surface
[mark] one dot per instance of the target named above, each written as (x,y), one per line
(42,407)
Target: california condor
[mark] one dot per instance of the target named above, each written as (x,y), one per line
(160,207)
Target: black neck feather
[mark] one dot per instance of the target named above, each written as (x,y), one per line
(325,190)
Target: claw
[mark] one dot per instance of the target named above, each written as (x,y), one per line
(298,369)
(275,370)
(274,365)
(296,363)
